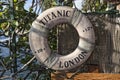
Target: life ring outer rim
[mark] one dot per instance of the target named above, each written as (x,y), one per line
(43,41)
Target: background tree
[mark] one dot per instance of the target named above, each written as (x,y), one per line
(94,5)
(15,24)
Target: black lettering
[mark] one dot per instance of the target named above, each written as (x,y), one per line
(53,15)
(66,64)
(35,52)
(64,13)
(41,21)
(45,19)
(60,65)
(84,53)
(71,62)
(39,50)
(59,13)
(67,13)
(77,60)
(48,17)
(81,56)
(87,29)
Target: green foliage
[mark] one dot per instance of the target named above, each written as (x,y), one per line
(52,38)
(17,29)
(49,3)
(15,1)
(94,5)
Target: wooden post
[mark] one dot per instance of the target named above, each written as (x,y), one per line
(116,45)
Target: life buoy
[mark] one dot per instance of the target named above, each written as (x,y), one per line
(47,20)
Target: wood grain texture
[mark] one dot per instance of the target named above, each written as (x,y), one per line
(89,76)
(107,49)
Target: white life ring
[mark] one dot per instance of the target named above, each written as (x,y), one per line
(47,20)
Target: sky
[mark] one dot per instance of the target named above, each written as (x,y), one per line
(28,4)
(78,4)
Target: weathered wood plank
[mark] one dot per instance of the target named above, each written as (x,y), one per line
(89,76)
(107,50)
